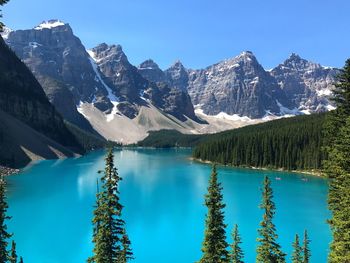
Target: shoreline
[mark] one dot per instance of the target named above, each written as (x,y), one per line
(317,173)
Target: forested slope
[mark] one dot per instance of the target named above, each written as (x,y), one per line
(291,143)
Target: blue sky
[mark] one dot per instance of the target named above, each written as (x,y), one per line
(200,32)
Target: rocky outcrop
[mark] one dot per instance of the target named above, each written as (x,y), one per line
(60,63)
(236,86)
(307,84)
(23,100)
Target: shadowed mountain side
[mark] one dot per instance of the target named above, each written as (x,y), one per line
(20,144)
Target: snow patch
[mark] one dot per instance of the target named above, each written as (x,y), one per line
(225,116)
(285,111)
(49,24)
(34,44)
(114,100)
(324,92)
(6,32)
(330,107)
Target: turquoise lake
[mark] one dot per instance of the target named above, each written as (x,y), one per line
(51,203)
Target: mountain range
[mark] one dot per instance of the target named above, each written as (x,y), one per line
(101,92)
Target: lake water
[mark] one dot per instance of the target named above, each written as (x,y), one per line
(51,203)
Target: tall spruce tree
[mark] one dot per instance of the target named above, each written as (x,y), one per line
(306,249)
(108,224)
(337,167)
(13,254)
(268,250)
(4,235)
(297,256)
(214,246)
(236,253)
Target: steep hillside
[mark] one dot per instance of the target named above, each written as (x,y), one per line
(22,97)
(20,144)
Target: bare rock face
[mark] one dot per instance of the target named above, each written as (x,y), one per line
(308,85)
(151,71)
(177,76)
(240,85)
(236,86)
(59,61)
(22,98)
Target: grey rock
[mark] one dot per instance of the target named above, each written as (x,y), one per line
(308,85)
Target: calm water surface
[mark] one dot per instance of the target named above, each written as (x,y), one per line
(51,204)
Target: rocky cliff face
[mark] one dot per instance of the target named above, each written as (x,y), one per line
(236,86)
(22,98)
(308,85)
(242,86)
(62,66)
(103,83)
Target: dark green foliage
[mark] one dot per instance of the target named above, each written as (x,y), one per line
(4,235)
(268,249)
(87,140)
(13,254)
(214,246)
(126,253)
(2,2)
(109,228)
(236,253)
(339,195)
(297,256)
(291,143)
(20,260)
(170,138)
(337,167)
(306,249)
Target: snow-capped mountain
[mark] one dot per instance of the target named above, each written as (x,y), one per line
(101,91)
(236,86)
(80,82)
(308,85)
(241,87)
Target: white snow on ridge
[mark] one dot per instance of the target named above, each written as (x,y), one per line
(330,107)
(6,32)
(92,54)
(286,111)
(49,24)
(324,92)
(225,116)
(114,100)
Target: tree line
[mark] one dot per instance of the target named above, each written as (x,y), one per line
(290,143)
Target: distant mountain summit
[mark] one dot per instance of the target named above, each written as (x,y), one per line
(100,91)
(308,85)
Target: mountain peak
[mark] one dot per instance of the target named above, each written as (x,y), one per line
(294,57)
(177,65)
(49,24)
(149,63)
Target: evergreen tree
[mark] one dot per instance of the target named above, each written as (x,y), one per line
(214,246)
(337,167)
(297,251)
(236,254)
(268,250)
(2,2)
(4,235)
(107,221)
(126,253)
(306,250)
(13,255)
